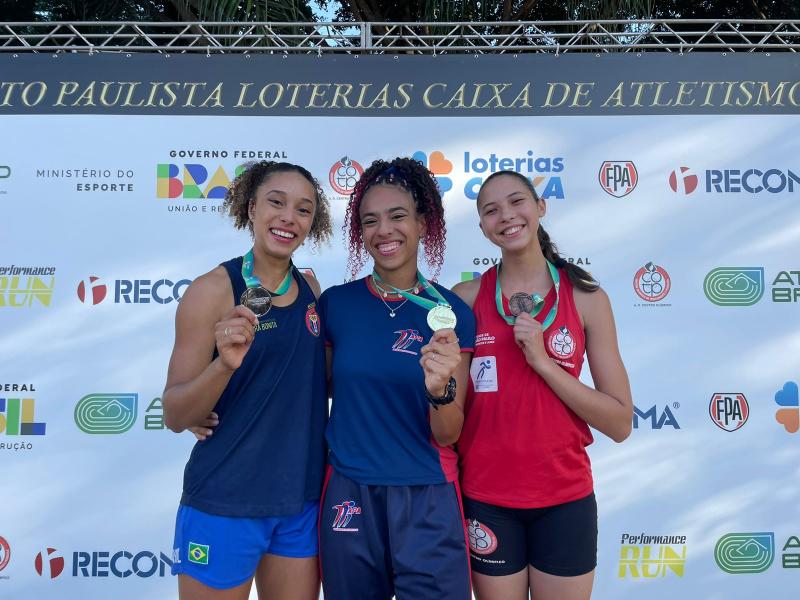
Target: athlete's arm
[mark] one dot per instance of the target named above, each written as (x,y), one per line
(313,284)
(608,407)
(442,359)
(468,290)
(195,381)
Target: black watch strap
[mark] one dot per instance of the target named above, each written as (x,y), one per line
(447,398)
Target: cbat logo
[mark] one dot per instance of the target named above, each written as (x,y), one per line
(788,400)
(729,411)
(344,513)
(683,181)
(312,321)
(192,181)
(405,341)
(439,166)
(666,418)
(344,174)
(482,540)
(106,413)
(49,563)
(5,553)
(544,172)
(618,178)
(651,283)
(198,553)
(561,343)
(17,417)
(96,290)
(741,553)
(734,286)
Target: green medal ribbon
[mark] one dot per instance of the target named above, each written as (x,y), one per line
(538,301)
(423,302)
(254,282)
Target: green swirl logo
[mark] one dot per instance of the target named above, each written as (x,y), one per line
(106,413)
(734,286)
(739,553)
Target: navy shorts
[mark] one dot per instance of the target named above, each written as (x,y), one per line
(377,541)
(223,552)
(559,540)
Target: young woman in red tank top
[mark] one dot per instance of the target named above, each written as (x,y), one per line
(526,478)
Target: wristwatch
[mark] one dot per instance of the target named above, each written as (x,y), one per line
(447,398)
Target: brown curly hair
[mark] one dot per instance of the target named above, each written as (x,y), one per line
(413,177)
(243,190)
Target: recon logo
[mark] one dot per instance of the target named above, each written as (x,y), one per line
(741,553)
(106,413)
(734,286)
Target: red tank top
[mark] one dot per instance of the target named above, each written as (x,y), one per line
(521,446)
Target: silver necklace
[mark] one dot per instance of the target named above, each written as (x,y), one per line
(396,308)
(385,294)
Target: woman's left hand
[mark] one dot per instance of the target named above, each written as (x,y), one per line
(530,338)
(440,357)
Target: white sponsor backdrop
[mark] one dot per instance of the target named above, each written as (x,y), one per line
(80,494)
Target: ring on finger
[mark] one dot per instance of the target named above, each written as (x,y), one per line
(227,331)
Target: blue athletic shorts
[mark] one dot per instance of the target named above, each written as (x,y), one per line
(223,552)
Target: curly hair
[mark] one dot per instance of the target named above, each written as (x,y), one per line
(413,177)
(242,192)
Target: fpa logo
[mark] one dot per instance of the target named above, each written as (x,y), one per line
(651,283)
(657,420)
(482,540)
(106,413)
(742,553)
(788,401)
(729,411)
(734,286)
(92,291)
(439,166)
(344,513)
(682,180)
(618,177)
(49,563)
(344,174)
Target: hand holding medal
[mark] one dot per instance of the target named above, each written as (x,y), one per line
(440,357)
(234,334)
(521,303)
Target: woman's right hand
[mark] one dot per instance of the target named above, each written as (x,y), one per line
(234,335)
(204,430)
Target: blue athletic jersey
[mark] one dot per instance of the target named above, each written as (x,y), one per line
(379,432)
(267,455)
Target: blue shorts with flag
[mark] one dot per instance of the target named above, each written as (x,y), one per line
(223,552)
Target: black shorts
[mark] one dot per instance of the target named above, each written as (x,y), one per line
(559,540)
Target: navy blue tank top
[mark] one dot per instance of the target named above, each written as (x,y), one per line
(267,455)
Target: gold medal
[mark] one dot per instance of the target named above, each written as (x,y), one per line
(441,317)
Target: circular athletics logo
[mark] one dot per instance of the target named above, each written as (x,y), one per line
(651,283)
(344,175)
(313,321)
(561,343)
(49,565)
(92,291)
(482,540)
(679,181)
(5,553)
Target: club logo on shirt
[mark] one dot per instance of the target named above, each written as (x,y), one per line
(483,372)
(482,540)
(344,513)
(561,343)
(313,321)
(406,340)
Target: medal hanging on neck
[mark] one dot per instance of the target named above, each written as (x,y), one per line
(440,314)
(521,302)
(256,297)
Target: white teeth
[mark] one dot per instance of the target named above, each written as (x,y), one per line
(390,247)
(512,230)
(283,234)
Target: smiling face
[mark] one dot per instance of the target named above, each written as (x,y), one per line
(391,227)
(282,212)
(509,213)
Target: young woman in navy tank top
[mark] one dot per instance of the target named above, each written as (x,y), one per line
(526,478)
(390,518)
(251,490)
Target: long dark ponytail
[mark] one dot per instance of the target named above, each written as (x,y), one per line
(579,277)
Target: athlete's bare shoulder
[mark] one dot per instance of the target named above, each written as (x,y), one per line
(313,283)
(468,290)
(209,293)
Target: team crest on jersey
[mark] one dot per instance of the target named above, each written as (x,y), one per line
(344,514)
(561,343)
(482,540)
(406,340)
(313,321)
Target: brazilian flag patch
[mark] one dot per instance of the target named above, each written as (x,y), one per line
(198,553)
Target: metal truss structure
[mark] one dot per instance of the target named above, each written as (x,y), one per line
(673,35)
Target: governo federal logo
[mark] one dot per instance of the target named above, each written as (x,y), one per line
(734,286)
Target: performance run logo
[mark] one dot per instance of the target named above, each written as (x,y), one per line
(106,413)
(743,553)
(734,286)
(651,556)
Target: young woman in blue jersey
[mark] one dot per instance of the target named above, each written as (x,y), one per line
(526,477)
(390,516)
(251,490)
